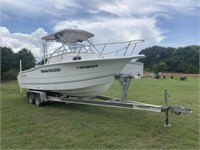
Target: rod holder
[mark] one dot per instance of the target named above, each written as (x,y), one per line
(20,65)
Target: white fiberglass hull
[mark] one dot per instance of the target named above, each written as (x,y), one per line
(84,78)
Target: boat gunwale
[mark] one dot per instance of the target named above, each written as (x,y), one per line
(78,61)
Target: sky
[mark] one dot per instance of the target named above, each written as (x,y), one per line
(169,23)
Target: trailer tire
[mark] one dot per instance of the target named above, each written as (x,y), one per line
(31,97)
(38,101)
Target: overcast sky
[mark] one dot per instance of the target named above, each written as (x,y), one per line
(171,23)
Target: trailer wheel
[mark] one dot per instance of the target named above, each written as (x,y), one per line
(31,97)
(38,101)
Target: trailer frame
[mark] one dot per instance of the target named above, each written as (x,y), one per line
(40,97)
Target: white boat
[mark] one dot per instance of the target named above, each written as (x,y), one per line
(78,67)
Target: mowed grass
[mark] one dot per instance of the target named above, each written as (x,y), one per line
(73,126)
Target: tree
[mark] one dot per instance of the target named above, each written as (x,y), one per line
(161,67)
(10,62)
(187,59)
(7,57)
(182,59)
(154,55)
(28,60)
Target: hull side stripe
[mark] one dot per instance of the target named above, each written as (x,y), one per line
(69,81)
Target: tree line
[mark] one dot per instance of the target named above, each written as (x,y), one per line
(162,59)
(10,62)
(158,59)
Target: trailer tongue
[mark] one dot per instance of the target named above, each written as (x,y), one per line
(39,97)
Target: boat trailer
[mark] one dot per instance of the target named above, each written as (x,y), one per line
(40,97)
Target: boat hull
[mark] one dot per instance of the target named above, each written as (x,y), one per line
(88,78)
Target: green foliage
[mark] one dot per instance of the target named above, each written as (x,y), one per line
(10,62)
(161,67)
(160,59)
(154,55)
(28,60)
(10,75)
(7,57)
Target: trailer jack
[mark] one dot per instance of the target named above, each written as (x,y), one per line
(177,109)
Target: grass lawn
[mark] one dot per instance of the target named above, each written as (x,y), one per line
(73,126)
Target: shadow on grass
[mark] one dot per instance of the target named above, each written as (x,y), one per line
(132,117)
